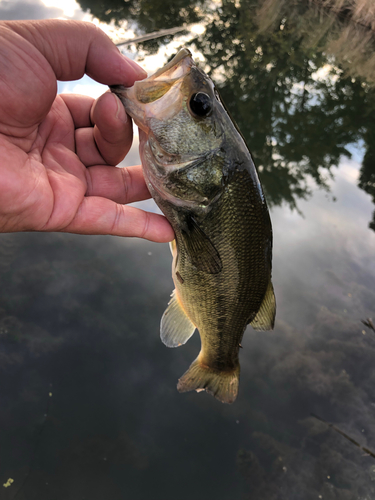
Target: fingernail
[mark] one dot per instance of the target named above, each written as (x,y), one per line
(121,114)
(141,73)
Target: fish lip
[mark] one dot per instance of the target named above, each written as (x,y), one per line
(118,90)
(181,63)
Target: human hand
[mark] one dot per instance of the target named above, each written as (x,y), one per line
(57,153)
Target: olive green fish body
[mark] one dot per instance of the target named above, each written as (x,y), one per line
(202,176)
(221,304)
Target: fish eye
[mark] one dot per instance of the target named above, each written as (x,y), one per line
(200,104)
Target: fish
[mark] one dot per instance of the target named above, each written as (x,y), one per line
(202,176)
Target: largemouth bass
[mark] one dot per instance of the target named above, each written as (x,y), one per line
(202,176)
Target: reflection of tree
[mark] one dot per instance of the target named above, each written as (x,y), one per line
(343,112)
(297,124)
(308,459)
(148,15)
(367,175)
(294,124)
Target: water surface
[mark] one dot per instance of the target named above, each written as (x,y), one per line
(89,406)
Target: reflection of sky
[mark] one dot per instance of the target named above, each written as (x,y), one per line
(85,86)
(79,318)
(330,237)
(40,9)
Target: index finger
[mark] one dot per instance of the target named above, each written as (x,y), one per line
(111,138)
(113,130)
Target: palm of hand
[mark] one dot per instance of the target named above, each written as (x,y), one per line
(57,153)
(44,181)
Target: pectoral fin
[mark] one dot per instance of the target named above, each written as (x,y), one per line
(175,328)
(200,249)
(265,317)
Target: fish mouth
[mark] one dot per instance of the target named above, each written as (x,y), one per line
(145,98)
(152,88)
(156,86)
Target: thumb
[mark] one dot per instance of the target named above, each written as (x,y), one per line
(73,48)
(33,54)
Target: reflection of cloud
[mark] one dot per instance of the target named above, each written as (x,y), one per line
(37,9)
(70,8)
(349,170)
(27,9)
(312,369)
(319,359)
(324,73)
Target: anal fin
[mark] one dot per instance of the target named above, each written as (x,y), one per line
(175,327)
(265,317)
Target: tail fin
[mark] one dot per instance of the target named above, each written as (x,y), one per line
(222,385)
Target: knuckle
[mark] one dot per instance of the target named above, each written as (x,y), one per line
(146,225)
(89,182)
(117,219)
(127,183)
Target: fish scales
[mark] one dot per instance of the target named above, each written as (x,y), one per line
(201,174)
(226,302)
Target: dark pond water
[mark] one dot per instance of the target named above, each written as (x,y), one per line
(88,401)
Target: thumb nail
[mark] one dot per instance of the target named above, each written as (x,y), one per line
(120,112)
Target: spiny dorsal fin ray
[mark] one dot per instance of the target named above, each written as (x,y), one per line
(175,327)
(201,250)
(265,317)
